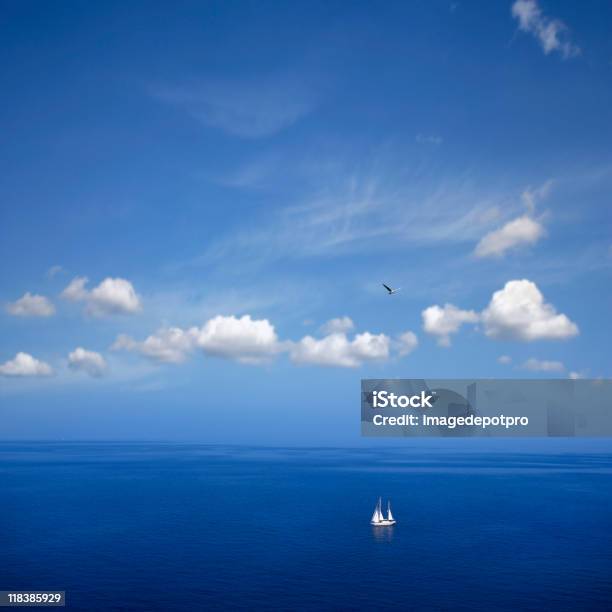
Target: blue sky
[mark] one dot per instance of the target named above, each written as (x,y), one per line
(235,180)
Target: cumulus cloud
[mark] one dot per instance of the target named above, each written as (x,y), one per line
(243,339)
(75,291)
(520,231)
(111,296)
(341,325)
(87,361)
(504,359)
(167,345)
(575,375)
(255,341)
(537,365)
(444,321)
(31,306)
(516,312)
(551,33)
(23,364)
(519,312)
(406,343)
(337,350)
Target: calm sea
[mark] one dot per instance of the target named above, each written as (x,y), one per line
(178,527)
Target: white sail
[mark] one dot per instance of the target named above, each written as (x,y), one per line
(377,516)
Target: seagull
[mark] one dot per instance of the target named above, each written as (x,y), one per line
(390,291)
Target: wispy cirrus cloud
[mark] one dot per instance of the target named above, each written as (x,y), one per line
(429,139)
(543,365)
(524,230)
(53,271)
(247,107)
(338,325)
(551,33)
(339,216)
(519,232)
(532,196)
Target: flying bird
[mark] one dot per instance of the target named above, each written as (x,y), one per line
(390,291)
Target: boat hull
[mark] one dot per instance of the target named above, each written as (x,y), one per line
(383,523)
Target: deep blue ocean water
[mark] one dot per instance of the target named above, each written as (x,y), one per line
(178,527)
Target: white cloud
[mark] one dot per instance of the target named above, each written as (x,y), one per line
(551,33)
(406,343)
(575,375)
(24,364)
(114,295)
(31,306)
(75,291)
(444,321)
(247,108)
(111,296)
(87,361)
(520,231)
(504,359)
(516,312)
(531,196)
(347,213)
(167,345)
(244,339)
(519,312)
(54,271)
(428,139)
(367,346)
(337,350)
(537,365)
(254,341)
(340,325)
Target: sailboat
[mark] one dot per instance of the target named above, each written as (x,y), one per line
(378,519)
